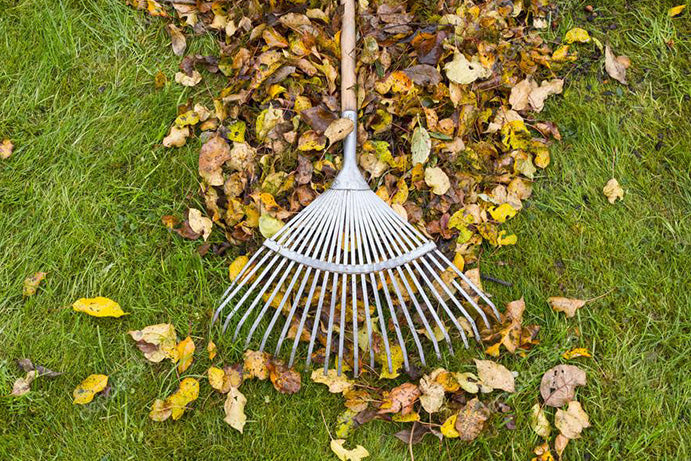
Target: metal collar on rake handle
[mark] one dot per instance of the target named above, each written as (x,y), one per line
(347,263)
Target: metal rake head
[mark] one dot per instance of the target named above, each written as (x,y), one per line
(344,260)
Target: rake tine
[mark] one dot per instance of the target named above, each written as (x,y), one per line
(465,278)
(291,314)
(308,241)
(305,311)
(373,208)
(353,290)
(363,281)
(344,285)
(240,278)
(398,252)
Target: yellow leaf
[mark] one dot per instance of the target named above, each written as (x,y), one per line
(437,180)
(211,349)
(234,407)
(577,352)
(187,119)
(459,261)
(266,121)
(463,72)
(31,283)
(255,365)
(92,385)
(98,307)
(356,454)
(236,131)
(6,148)
(160,410)
(503,239)
(409,418)
(339,129)
(613,191)
(676,11)
(268,225)
(311,140)
(185,354)
(157,342)
(396,362)
(539,422)
(502,212)
(236,266)
(337,384)
(495,375)
(216,376)
(186,393)
(577,35)
(448,429)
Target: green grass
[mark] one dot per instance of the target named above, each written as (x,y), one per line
(83,195)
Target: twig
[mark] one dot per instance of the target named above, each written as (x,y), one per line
(410,443)
(184,2)
(599,297)
(325,425)
(496,280)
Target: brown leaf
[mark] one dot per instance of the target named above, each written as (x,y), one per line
(23,385)
(566,305)
(318,117)
(339,129)
(256,365)
(178,41)
(572,421)
(27,365)
(471,420)
(400,399)
(31,283)
(495,375)
(6,148)
(558,385)
(214,153)
(285,380)
(423,74)
(416,432)
(614,67)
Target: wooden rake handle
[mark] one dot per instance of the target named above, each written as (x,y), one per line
(348,80)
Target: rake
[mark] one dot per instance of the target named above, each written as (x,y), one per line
(349,256)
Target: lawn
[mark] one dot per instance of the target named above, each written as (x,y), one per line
(83,194)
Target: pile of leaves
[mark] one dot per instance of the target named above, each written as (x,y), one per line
(447,131)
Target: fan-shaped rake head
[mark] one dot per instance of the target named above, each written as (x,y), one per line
(351,274)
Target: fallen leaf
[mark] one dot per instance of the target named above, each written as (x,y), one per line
(87,389)
(432,394)
(213,154)
(437,180)
(676,11)
(463,72)
(396,362)
(234,407)
(420,145)
(160,410)
(615,68)
(613,191)
(558,385)
(285,380)
(178,41)
(211,349)
(157,342)
(27,365)
(577,35)
(547,88)
(539,422)
(177,136)
(448,429)
(256,365)
(31,283)
(23,385)
(400,399)
(198,223)
(339,129)
(471,420)
(337,384)
(577,352)
(543,453)
(566,305)
(268,225)
(502,212)
(216,377)
(572,421)
(185,354)
(186,393)
(495,375)
(188,80)
(356,454)
(98,307)
(6,148)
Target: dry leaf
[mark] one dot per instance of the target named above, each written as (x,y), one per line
(471,420)
(198,223)
(613,191)
(558,385)
(566,305)
(236,266)
(285,380)
(463,72)
(211,349)
(448,429)
(255,365)
(185,354)
(98,307)
(577,35)
(27,365)
(337,384)
(437,180)
(160,410)
(177,136)
(178,41)
(420,145)
(235,409)
(432,394)
(615,68)
(216,377)
(188,80)
(213,154)
(548,87)
(268,225)
(572,421)
(31,283)
(676,11)
(400,399)
(23,385)
(356,454)
(87,389)
(157,342)
(494,375)
(339,129)
(539,422)
(6,148)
